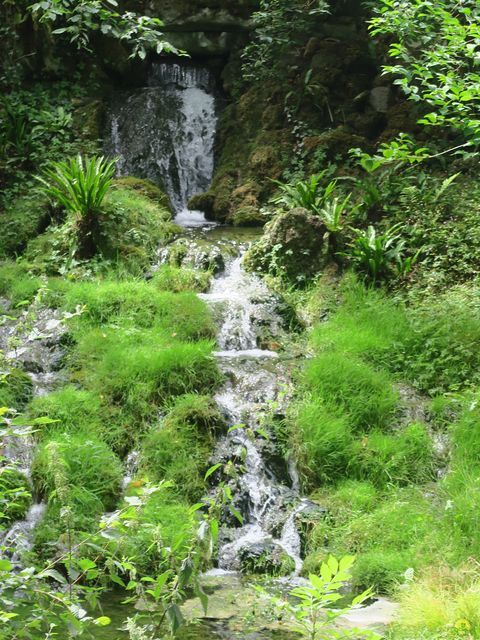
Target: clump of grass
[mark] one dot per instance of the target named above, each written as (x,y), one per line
(66,465)
(404,458)
(16,388)
(17,283)
(178,279)
(140,304)
(442,601)
(178,449)
(323,442)
(15,495)
(140,372)
(381,569)
(366,323)
(354,388)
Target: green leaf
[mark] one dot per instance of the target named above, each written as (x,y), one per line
(103,621)
(5,565)
(85,564)
(212,470)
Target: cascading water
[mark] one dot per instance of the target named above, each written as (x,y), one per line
(166,132)
(255,378)
(33,341)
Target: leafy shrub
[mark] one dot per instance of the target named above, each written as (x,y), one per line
(309,194)
(66,466)
(380,256)
(165,522)
(353,387)
(80,185)
(440,353)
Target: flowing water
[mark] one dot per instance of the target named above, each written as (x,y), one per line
(31,340)
(166,132)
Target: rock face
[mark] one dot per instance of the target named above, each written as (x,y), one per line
(293,246)
(202,26)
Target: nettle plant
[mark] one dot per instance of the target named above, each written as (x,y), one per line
(314,610)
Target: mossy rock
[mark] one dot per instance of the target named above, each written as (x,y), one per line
(15,488)
(88,120)
(195,255)
(179,448)
(146,188)
(292,247)
(16,389)
(266,558)
(24,219)
(202,202)
(248,216)
(338,142)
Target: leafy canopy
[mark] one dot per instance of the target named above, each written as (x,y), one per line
(436,49)
(80,18)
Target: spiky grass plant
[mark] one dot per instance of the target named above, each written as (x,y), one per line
(79,185)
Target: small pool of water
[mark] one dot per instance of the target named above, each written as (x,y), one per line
(234,612)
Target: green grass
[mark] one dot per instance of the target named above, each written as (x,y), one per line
(440,351)
(16,282)
(178,449)
(15,388)
(177,279)
(165,525)
(66,463)
(353,388)
(20,222)
(323,443)
(15,495)
(403,458)
(140,305)
(365,324)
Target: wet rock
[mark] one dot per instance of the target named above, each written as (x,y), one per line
(379,97)
(195,255)
(266,557)
(292,246)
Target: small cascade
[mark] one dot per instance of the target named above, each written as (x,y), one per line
(19,537)
(166,132)
(255,378)
(32,341)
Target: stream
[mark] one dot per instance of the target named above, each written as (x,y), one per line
(166,132)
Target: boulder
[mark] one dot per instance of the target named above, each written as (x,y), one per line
(267,557)
(293,246)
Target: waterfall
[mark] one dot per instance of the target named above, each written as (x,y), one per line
(255,377)
(166,132)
